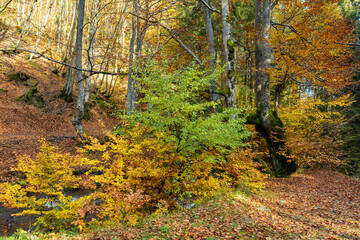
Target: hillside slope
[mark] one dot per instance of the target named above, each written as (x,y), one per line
(24,121)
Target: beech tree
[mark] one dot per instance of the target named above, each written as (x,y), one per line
(79,115)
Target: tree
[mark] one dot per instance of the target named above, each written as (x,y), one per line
(268,123)
(79,115)
(229,55)
(211,45)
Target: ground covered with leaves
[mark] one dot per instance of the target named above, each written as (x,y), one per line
(24,118)
(316,204)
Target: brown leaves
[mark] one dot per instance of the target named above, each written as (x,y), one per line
(313,205)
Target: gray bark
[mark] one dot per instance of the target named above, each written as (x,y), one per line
(258,42)
(265,65)
(92,32)
(130,105)
(271,129)
(70,73)
(211,44)
(79,115)
(229,55)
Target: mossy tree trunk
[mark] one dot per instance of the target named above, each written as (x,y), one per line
(229,55)
(267,122)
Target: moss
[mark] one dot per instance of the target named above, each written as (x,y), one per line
(40,101)
(87,112)
(19,76)
(9,52)
(253,118)
(55,71)
(265,167)
(3,90)
(276,122)
(32,64)
(29,95)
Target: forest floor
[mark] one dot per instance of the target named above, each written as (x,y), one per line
(23,121)
(315,204)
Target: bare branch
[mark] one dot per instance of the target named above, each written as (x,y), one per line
(274,4)
(304,39)
(210,7)
(91,72)
(173,35)
(6,5)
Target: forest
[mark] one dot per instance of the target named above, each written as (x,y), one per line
(179,119)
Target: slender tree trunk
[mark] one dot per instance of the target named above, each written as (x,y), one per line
(27,22)
(211,44)
(130,104)
(92,32)
(46,17)
(67,92)
(229,55)
(79,115)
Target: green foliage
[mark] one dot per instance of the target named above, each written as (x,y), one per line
(20,234)
(177,152)
(87,115)
(175,102)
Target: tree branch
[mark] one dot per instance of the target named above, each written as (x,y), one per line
(172,34)
(274,4)
(304,39)
(91,72)
(5,6)
(210,7)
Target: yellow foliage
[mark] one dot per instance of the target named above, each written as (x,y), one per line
(313,129)
(136,170)
(42,191)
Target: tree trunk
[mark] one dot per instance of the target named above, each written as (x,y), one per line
(47,13)
(269,124)
(27,23)
(92,32)
(229,55)
(130,105)
(79,115)
(67,92)
(211,44)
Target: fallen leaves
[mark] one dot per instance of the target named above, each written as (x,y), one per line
(317,204)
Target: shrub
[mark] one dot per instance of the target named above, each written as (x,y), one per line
(42,191)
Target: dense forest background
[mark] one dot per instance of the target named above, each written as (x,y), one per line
(196,98)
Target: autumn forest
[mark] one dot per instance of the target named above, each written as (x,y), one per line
(180,119)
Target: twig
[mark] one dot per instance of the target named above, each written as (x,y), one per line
(210,7)
(5,6)
(91,72)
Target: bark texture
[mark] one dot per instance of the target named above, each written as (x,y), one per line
(229,55)
(211,44)
(79,115)
(267,122)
